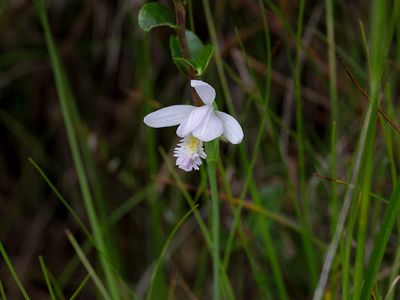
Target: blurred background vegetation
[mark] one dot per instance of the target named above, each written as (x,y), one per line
(301,113)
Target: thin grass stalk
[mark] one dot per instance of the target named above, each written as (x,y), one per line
(14,274)
(331,253)
(96,279)
(394,273)
(347,246)
(334,199)
(203,227)
(379,49)
(218,58)
(164,250)
(62,91)
(362,158)
(47,279)
(79,288)
(330,32)
(309,252)
(243,239)
(56,287)
(63,200)
(391,141)
(381,241)
(263,223)
(212,157)
(259,137)
(204,230)
(243,156)
(2,292)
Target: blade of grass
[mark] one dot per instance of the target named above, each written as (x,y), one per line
(13,272)
(2,293)
(56,287)
(331,253)
(367,97)
(164,250)
(394,272)
(380,45)
(330,32)
(63,94)
(212,158)
(188,198)
(100,286)
(362,164)
(257,147)
(309,252)
(334,198)
(339,181)
(228,100)
(62,199)
(391,213)
(191,203)
(390,293)
(80,287)
(128,205)
(252,207)
(114,217)
(47,279)
(347,246)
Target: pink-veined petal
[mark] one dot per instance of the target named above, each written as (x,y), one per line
(205,91)
(192,120)
(210,128)
(168,116)
(232,130)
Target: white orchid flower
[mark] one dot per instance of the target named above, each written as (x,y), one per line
(196,125)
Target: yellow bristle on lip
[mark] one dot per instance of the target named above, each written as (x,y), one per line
(193,144)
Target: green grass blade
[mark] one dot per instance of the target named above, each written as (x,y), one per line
(2,292)
(98,283)
(66,106)
(56,286)
(62,199)
(13,272)
(391,213)
(309,252)
(330,29)
(229,102)
(188,198)
(164,250)
(47,279)
(79,288)
(212,157)
(127,206)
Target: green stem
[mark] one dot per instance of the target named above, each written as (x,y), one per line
(212,155)
(310,257)
(13,272)
(330,32)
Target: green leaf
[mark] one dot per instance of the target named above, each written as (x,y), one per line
(176,53)
(155,15)
(200,54)
(381,240)
(195,45)
(202,60)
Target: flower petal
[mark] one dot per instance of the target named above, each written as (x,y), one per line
(193,120)
(168,116)
(210,128)
(205,91)
(232,130)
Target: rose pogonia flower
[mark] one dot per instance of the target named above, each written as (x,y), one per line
(196,125)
